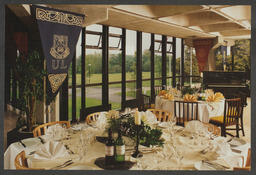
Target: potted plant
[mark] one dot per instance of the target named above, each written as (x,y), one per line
(30,72)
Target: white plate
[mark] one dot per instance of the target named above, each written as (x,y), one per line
(236,142)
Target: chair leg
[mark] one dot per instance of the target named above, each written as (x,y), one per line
(223,131)
(237,130)
(242,126)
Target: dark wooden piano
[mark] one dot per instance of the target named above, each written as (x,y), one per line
(231,84)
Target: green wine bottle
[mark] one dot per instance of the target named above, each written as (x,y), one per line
(109,149)
(120,149)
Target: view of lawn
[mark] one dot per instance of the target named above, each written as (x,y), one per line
(89,103)
(97,78)
(132,93)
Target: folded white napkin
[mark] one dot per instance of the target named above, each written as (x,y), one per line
(50,150)
(221,146)
(148,118)
(102,120)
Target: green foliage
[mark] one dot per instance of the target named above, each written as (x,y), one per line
(241,57)
(30,72)
(188,90)
(148,136)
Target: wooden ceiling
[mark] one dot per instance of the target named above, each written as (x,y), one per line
(183,21)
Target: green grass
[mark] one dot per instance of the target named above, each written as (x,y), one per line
(89,103)
(97,78)
(132,93)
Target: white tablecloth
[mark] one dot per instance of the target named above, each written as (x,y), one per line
(159,160)
(206,110)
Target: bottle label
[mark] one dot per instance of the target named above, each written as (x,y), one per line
(120,150)
(109,150)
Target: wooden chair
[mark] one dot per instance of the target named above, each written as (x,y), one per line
(92,117)
(40,130)
(247,164)
(232,114)
(185,111)
(21,162)
(162,116)
(244,104)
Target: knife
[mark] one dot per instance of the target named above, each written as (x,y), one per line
(216,165)
(41,140)
(22,144)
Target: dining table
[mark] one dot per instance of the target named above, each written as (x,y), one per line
(206,110)
(185,148)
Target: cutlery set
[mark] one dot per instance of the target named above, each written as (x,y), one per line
(65,164)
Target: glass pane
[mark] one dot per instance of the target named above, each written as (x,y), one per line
(115,69)
(158,82)
(178,56)
(93,68)
(146,87)
(146,62)
(158,65)
(242,55)
(78,103)
(115,96)
(130,90)
(169,83)
(93,96)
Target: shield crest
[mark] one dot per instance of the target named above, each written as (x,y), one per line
(60,49)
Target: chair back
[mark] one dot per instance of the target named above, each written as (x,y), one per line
(185,111)
(247,164)
(146,103)
(248,160)
(92,117)
(232,111)
(40,130)
(20,162)
(162,116)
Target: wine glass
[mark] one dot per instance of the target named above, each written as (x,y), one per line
(176,150)
(82,148)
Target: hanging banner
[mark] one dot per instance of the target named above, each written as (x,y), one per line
(59,32)
(202,47)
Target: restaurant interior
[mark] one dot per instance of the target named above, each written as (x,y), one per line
(127,87)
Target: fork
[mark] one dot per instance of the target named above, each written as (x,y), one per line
(69,162)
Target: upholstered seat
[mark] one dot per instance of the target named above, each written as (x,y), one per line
(233,111)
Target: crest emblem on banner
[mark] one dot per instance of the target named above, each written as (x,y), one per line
(60,49)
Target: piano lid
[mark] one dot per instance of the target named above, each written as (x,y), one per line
(224,78)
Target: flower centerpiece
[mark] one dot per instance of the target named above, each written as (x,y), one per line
(148,136)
